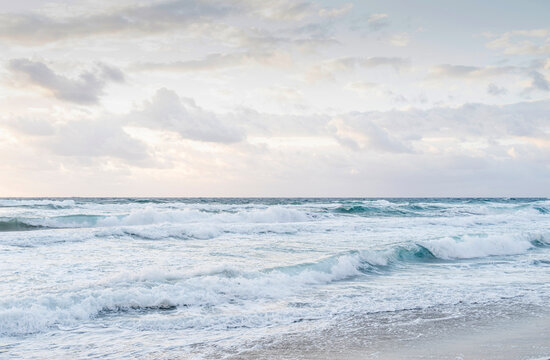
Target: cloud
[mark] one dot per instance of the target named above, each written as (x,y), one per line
(469,120)
(33,28)
(86,89)
(538,82)
(362,86)
(87,140)
(359,133)
(473,129)
(149,18)
(288,96)
(97,138)
(378,21)
(469,72)
(32,126)
(285,10)
(522,42)
(167,111)
(84,139)
(493,89)
(401,39)
(221,61)
(383,151)
(327,69)
(336,12)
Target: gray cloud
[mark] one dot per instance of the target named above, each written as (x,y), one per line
(167,111)
(86,89)
(495,90)
(153,18)
(538,81)
(147,19)
(469,72)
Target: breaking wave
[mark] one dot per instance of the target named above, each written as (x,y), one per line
(222,285)
(17,225)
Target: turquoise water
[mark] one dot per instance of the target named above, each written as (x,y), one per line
(198,278)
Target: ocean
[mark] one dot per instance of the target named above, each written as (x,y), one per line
(289,278)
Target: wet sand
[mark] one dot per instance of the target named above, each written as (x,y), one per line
(491,335)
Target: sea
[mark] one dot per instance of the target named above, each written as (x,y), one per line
(210,278)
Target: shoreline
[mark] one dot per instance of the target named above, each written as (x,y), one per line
(522,336)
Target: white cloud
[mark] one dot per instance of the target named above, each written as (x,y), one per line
(288,10)
(335,12)
(167,111)
(362,86)
(84,139)
(360,133)
(220,61)
(390,152)
(96,138)
(401,39)
(329,68)
(32,126)
(522,42)
(378,21)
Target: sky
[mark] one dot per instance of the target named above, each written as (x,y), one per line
(275,98)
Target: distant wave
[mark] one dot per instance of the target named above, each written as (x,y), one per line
(149,216)
(38,203)
(372,210)
(388,209)
(131,215)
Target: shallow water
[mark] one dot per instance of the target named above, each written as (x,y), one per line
(207,278)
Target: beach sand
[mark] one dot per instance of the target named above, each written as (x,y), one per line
(422,335)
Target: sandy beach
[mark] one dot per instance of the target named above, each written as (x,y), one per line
(421,335)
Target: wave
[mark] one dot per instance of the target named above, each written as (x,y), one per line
(112,214)
(469,247)
(369,210)
(152,216)
(17,225)
(38,203)
(431,209)
(161,292)
(226,286)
